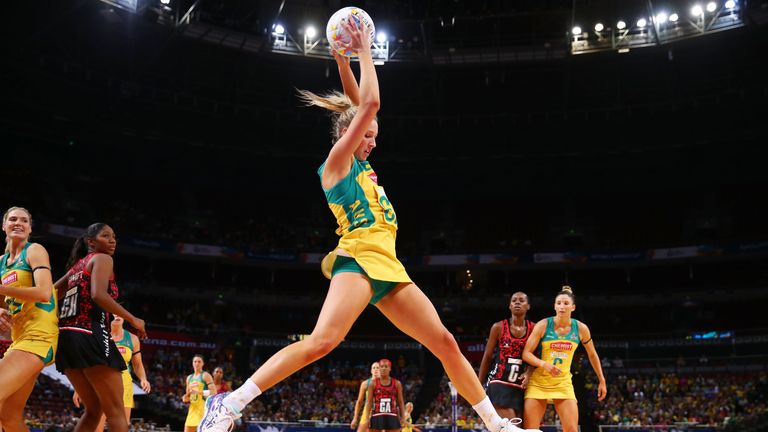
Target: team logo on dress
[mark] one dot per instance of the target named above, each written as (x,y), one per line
(561,346)
(10,278)
(373,177)
(74,277)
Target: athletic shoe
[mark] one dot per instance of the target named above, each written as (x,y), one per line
(217,416)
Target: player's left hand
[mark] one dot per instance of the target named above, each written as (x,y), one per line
(602,391)
(145,386)
(341,60)
(5,320)
(524,381)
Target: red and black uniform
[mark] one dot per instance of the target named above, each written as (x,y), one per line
(84,336)
(505,379)
(384,414)
(4,344)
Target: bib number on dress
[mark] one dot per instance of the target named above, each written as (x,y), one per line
(389,212)
(385,405)
(69,304)
(514,369)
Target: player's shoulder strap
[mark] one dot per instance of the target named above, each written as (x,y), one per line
(504,326)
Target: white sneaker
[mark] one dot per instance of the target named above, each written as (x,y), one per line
(510,425)
(217,416)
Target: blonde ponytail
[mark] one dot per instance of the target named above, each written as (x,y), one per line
(333,101)
(341,107)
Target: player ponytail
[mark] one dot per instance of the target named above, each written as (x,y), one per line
(341,107)
(80,248)
(567,290)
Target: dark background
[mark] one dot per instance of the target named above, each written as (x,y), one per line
(120,118)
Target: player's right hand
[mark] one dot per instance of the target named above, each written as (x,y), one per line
(76,399)
(360,40)
(552,369)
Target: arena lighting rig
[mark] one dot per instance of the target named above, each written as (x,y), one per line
(648,25)
(315,45)
(658,27)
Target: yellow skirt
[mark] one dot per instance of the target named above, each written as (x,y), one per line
(562,391)
(127,389)
(374,250)
(195,415)
(43,348)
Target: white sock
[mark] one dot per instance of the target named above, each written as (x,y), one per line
(238,399)
(489,415)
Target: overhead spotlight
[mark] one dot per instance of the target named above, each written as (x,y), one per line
(279,29)
(730,4)
(641,22)
(621,25)
(381,37)
(311,32)
(711,7)
(165,2)
(599,27)
(673,17)
(697,10)
(661,18)
(576,30)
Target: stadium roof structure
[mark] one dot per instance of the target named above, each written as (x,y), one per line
(458,32)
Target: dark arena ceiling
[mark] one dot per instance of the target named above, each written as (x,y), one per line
(79,70)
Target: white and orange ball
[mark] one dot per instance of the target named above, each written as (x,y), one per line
(336,34)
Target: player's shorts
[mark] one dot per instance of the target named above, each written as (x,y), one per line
(564,391)
(385,422)
(345,264)
(45,349)
(81,349)
(127,389)
(506,396)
